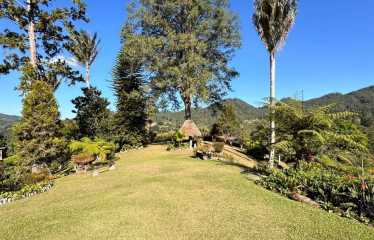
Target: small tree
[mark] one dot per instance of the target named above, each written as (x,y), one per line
(91,110)
(38,137)
(228,123)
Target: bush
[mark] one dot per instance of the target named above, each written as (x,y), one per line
(349,195)
(164,137)
(218,146)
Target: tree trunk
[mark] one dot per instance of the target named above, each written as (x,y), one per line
(272,109)
(187,108)
(31,33)
(88,75)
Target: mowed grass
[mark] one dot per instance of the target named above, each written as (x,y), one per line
(154,194)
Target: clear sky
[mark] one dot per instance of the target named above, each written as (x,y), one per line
(330,49)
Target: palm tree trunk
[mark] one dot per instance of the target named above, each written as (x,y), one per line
(31,33)
(88,75)
(272,109)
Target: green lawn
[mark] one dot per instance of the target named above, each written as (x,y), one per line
(154,194)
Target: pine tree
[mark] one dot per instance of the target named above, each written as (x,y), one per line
(131,115)
(38,137)
(91,110)
(38,35)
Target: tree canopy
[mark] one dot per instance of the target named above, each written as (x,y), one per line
(38,35)
(185,46)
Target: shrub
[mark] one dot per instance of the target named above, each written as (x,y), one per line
(164,137)
(218,147)
(349,195)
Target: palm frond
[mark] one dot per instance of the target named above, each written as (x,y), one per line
(273,20)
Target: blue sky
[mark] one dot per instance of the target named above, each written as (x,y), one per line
(330,49)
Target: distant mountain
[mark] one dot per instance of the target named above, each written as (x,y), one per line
(360,101)
(205,117)
(6,121)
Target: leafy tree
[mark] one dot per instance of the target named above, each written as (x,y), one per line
(37,36)
(273,20)
(84,47)
(186,47)
(228,122)
(91,110)
(38,137)
(131,116)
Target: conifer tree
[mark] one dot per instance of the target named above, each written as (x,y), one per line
(38,137)
(131,115)
(38,35)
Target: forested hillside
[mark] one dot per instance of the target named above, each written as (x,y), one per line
(360,101)
(6,121)
(205,117)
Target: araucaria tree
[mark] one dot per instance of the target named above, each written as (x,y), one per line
(84,48)
(38,137)
(186,47)
(37,35)
(130,118)
(273,20)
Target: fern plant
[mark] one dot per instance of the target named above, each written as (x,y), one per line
(317,133)
(98,147)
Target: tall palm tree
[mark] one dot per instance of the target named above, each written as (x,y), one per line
(273,20)
(84,48)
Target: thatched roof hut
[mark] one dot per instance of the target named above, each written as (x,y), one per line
(189,129)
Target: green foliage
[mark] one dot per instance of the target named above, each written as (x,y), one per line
(206,117)
(3,141)
(273,20)
(348,194)
(51,25)
(98,147)
(227,124)
(25,190)
(310,134)
(130,118)
(218,146)
(38,139)
(92,112)
(164,137)
(187,46)
(84,48)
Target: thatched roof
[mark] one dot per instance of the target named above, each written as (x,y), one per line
(189,129)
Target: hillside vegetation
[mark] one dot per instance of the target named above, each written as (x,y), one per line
(360,101)
(6,121)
